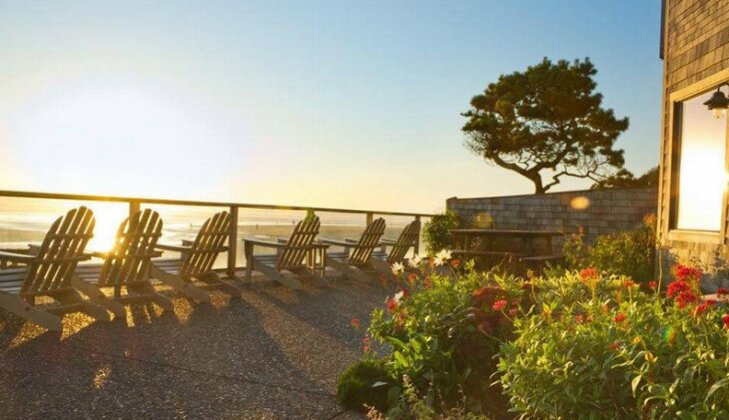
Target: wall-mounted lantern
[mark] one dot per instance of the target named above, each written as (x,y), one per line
(718,103)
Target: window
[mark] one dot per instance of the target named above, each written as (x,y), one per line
(702,168)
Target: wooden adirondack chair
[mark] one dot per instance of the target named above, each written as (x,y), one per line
(300,254)
(193,274)
(126,265)
(398,249)
(357,255)
(48,273)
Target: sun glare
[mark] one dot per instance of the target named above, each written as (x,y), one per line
(108,217)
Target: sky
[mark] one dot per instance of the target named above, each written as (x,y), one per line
(322,103)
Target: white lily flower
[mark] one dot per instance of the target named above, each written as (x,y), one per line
(398,296)
(415,261)
(397,268)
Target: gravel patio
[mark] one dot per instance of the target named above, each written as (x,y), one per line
(274,353)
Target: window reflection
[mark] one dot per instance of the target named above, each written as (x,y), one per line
(702,175)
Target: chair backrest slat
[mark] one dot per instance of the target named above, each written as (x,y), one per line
(60,252)
(369,240)
(128,261)
(207,246)
(303,236)
(408,237)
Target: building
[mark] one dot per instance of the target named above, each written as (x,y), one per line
(693,199)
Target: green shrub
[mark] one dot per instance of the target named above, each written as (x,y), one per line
(599,347)
(444,333)
(365,382)
(629,253)
(436,232)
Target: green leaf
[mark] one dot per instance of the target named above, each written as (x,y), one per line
(715,387)
(634,383)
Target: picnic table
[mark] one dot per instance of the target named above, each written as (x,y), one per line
(528,253)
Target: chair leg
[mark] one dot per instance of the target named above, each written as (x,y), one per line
(274,274)
(348,271)
(249,261)
(225,285)
(186,288)
(98,297)
(148,290)
(91,309)
(23,309)
(316,279)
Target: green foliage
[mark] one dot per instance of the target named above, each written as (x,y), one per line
(546,118)
(444,334)
(625,179)
(599,347)
(629,253)
(436,232)
(364,383)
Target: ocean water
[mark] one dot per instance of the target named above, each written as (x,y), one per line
(25,221)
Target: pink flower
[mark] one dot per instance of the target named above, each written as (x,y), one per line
(366,344)
(355,322)
(499,305)
(653,284)
(725,320)
(455,263)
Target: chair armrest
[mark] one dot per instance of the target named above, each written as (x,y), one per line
(15,257)
(187,242)
(282,240)
(174,248)
(261,242)
(385,241)
(336,242)
(351,240)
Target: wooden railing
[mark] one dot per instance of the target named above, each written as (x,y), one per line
(135,204)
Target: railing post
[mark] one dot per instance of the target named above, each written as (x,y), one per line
(370,218)
(233,241)
(416,248)
(134,207)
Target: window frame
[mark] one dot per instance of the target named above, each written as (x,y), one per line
(676,100)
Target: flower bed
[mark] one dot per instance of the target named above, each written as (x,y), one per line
(582,344)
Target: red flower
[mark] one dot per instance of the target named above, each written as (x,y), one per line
(355,322)
(683,272)
(499,305)
(653,284)
(391,305)
(725,320)
(588,273)
(620,318)
(412,277)
(366,344)
(615,345)
(579,319)
(722,291)
(676,288)
(703,307)
(628,283)
(513,312)
(455,262)
(686,297)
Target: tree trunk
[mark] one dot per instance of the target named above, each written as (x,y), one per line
(538,186)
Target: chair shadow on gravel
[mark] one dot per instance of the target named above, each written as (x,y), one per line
(172,363)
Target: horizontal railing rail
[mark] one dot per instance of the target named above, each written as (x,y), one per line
(136,202)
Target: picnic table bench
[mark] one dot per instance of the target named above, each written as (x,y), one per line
(529,254)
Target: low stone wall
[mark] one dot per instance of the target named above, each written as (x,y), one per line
(597,211)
